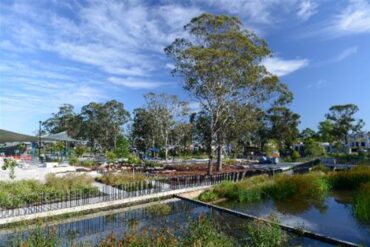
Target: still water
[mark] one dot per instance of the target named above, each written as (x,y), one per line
(91,229)
(332,217)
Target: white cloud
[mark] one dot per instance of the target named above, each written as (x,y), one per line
(346,53)
(136,83)
(307,8)
(282,67)
(355,18)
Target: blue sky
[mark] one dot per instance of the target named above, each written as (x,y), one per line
(54,52)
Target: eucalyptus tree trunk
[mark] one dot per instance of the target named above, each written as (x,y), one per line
(219,158)
(210,160)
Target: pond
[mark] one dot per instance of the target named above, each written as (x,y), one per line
(93,228)
(332,217)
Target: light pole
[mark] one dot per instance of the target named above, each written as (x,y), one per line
(39,146)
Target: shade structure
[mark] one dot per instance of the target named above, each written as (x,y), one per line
(61,136)
(9,136)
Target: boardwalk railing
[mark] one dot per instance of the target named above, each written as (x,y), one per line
(44,202)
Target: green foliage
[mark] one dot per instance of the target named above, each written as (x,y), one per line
(73,161)
(122,147)
(88,163)
(351,179)
(111,156)
(295,156)
(282,125)
(204,232)
(308,187)
(362,202)
(80,150)
(133,160)
(210,55)
(313,148)
(208,196)
(270,146)
(342,117)
(17,193)
(248,190)
(38,237)
(118,179)
(10,164)
(159,209)
(263,234)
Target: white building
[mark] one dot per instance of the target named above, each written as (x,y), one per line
(358,141)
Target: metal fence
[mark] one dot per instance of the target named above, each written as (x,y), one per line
(45,202)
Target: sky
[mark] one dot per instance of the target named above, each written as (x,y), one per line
(54,52)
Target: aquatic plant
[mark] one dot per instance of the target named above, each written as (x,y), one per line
(205,232)
(247,190)
(264,234)
(351,179)
(208,196)
(361,206)
(37,237)
(311,186)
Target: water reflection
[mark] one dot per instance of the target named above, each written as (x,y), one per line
(332,216)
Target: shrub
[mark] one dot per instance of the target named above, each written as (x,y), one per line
(295,156)
(87,163)
(361,204)
(204,232)
(312,186)
(111,156)
(123,178)
(73,161)
(19,193)
(263,234)
(208,196)
(351,179)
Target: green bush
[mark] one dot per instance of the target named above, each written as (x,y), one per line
(204,232)
(123,178)
(19,193)
(87,163)
(295,156)
(312,186)
(351,179)
(73,161)
(263,234)
(208,196)
(361,204)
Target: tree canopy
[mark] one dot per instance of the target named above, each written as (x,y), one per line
(221,64)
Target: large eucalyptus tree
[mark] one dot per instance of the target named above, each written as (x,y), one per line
(221,64)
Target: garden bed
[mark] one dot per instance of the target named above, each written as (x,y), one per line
(23,193)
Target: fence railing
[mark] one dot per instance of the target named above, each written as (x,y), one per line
(45,202)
